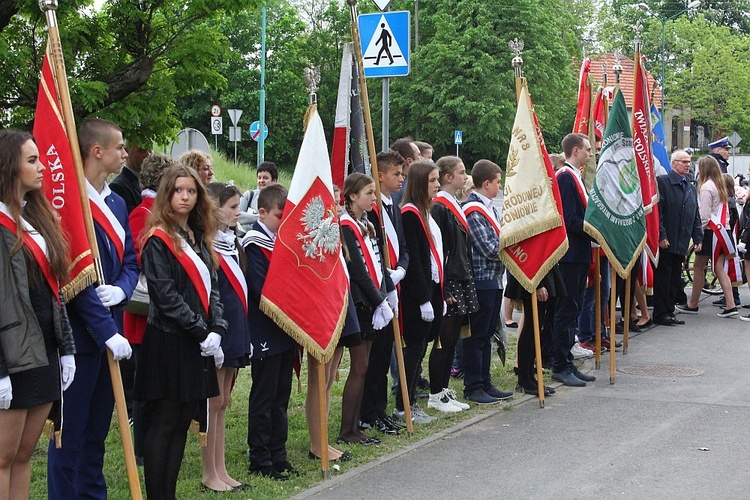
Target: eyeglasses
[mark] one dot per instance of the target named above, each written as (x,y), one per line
(682,161)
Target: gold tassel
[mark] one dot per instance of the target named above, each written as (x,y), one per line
(203,439)
(465,332)
(58,439)
(49,429)
(195,427)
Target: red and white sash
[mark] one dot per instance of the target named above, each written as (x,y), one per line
(579,183)
(449,202)
(436,251)
(36,245)
(235,276)
(481,208)
(196,269)
(723,244)
(368,251)
(394,250)
(103,216)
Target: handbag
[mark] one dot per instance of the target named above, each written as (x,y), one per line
(139,301)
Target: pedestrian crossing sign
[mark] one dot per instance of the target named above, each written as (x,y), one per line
(385,39)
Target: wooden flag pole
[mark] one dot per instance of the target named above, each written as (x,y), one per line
(626,317)
(537,349)
(374,168)
(598,306)
(49,7)
(612,323)
(320,374)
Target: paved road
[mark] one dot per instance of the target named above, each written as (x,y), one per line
(643,437)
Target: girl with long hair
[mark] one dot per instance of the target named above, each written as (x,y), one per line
(36,345)
(422,287)
(373,294)
(460,295)
(712,202)
(182,344)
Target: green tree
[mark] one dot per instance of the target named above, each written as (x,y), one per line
(127,62)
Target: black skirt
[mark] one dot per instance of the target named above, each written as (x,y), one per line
(170,366)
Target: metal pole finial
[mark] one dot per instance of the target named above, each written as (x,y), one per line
(351,3)
(516,46)
(312,79)
(617,68)
(46,5)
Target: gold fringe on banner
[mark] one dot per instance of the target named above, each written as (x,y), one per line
(85,278)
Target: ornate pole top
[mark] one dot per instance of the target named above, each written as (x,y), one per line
(46,5)
(604,72)
(617,68)
(637,39)
(351,3)
(312,79)
(516,46)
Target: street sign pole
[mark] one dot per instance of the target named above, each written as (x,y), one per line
(386,114)
(261,142)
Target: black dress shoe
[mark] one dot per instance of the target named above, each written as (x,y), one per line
(669,321)
(533,391)
(242,487)
(676,321)
(268,471)
(285,468)
(363,442)
(647,324)
(345,457)
(383,427)
(583,376)
(392,423)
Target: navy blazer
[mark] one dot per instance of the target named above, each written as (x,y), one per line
(579,249)
(93,324)
(679,219)
(267,337)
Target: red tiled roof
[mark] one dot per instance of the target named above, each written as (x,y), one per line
(626,77)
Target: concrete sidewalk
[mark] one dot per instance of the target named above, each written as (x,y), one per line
(676,424)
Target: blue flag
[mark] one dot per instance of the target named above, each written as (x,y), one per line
(659,145)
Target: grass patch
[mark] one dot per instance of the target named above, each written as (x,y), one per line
(297,445)
(244,175)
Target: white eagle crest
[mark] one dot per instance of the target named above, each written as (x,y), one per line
(321,234)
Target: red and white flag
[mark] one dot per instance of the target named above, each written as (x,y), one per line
(305,292)
(349,151)
(60,181)
(583,110)
(644,158)
(531,259)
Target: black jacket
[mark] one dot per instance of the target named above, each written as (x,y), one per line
(175,305)
(21,338)
(364,291)
(417,286)
(723,164)
(456,246)
(128,185)
(679,219)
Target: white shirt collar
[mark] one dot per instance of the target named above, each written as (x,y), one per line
(486,201)
(272,235)
(386,199)
(576,171)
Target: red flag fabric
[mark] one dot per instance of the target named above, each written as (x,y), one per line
(583,111)
(644,158)
(60,184)
(305,292)
(600,122)
(531,259)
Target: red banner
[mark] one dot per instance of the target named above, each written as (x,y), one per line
(583,111)
(60,184)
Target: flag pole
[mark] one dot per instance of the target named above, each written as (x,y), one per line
(626,319)
(598,306)
(374,169)
(516,46)
(323,417)
(49,7)
(612,325)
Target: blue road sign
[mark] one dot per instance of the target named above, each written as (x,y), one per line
(255,131)
(385,39)
(458,137)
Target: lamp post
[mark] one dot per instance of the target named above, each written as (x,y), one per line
(645,8)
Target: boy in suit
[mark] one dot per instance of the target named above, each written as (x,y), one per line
(273,350)
(75,470)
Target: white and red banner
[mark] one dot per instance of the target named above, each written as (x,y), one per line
(305,291)
(60,181)
(531,259)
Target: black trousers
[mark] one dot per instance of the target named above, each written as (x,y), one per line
(375,395)
(566,312)
(666,277)
(267,424)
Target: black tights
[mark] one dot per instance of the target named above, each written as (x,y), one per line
(351,401)
(164,446)
(441,360)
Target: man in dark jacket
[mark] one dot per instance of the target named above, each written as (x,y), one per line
(128,182)
(679,221)
(720,151)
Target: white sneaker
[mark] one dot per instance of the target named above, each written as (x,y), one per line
(454,399)
(442,402)
(418,416)
(399,415)
(580,352)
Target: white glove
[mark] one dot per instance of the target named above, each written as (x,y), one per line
(382,316)
(68,370)
(445,308)
(741,247)
(219,358)
(428,314)
(110,295)
(397,275)
(6,393)
(119,346)
(392,299)
(211,345)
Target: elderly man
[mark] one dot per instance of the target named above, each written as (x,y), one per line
(720,151)
(679,221)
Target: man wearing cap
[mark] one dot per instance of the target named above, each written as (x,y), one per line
(720,151)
